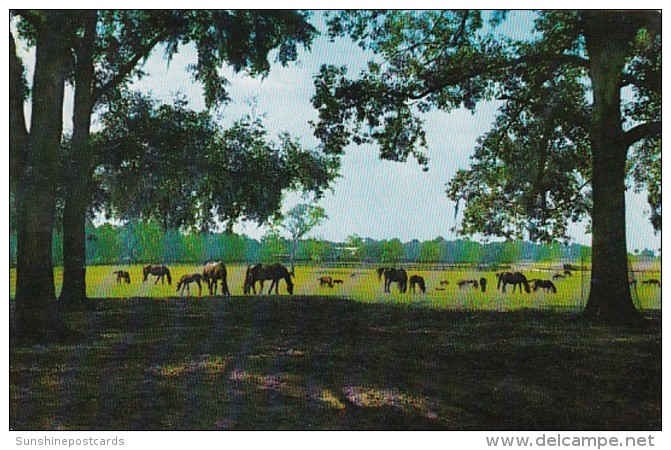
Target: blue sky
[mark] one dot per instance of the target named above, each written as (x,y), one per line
(372,198)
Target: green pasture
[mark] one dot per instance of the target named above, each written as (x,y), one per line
(361,284)
(344,358)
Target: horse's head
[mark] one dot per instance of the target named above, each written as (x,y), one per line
(290,285)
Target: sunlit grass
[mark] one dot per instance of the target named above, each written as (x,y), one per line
(362,284)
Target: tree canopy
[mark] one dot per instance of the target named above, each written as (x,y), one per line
(181,169)
(579,92)
(530,174)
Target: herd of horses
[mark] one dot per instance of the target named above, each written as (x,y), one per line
(214,275)
(516,279)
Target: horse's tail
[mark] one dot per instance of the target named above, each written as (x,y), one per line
(380,271)
(167,274)
(500,278)
(246,283)
(224,282)
(145,272)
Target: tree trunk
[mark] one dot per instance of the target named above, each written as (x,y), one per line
(610,297)
(79,171)
(36,317)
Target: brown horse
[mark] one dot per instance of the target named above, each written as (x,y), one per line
(186,280)
(213,272)
(122,275)
(416,280)
(465,283)
(546,285)
(392,275)
(514,278)
(325,281)
(158,271)
(653,281)
(483,284)
(260,273)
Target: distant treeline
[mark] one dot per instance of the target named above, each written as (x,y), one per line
(140,242)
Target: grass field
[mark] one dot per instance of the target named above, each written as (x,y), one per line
(365,287)
(346,358)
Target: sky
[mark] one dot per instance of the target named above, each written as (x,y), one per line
(371,198)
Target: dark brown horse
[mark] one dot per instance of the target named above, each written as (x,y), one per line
(122,275)
(483,284)
(392,275)
(416,280)
(653,281)
(212,273)
(466,283)
(546,285)
(514,278)
(158,271)
(260,273)
(186,280)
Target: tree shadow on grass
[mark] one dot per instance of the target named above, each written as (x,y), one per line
(323,363)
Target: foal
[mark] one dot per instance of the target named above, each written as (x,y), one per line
(186,280)
(122,275)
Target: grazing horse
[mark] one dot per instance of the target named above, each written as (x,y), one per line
(213,272)
(122,275)
(419,281)
(558,276)
(326,281)
(514,278)
(546,285)
(392,275)
(464,283)
(443,282)
(338,281)
(186,280)
(260,273)
(652,281)
(158,271)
